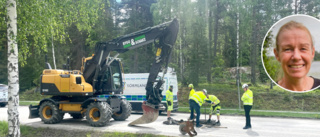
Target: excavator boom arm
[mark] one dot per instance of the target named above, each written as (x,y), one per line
(163,36)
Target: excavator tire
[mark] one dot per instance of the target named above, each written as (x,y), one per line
(98,114)
(49,113)
(124,113)
(77,116)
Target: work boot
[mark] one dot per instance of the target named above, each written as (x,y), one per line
(217,123)
(169,120)
(247,127)
(198,126)
(208,121)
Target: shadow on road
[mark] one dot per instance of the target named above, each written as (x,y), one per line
(145,129)
(252,133)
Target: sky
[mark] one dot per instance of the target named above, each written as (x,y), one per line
(311,23)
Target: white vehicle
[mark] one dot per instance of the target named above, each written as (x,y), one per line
(3,95)
(135,91)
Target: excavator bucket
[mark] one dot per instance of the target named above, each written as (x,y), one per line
(33,111)
(150,114)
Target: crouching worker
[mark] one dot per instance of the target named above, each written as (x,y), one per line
(195,102)
(215,108)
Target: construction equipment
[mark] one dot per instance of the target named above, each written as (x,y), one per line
(188,127)
(96,90)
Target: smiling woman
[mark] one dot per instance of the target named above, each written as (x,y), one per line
(295,50)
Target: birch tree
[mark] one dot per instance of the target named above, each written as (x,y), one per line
(13,71)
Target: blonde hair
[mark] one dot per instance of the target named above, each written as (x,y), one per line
(292,25)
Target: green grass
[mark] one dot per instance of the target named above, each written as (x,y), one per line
(3,128)
(27,103)
(31,95)
(27,131)
(259,113)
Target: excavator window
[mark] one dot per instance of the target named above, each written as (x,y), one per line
(116,74)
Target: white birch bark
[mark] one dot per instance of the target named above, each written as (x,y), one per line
(13,72)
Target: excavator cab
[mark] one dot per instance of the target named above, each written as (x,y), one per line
(111,80)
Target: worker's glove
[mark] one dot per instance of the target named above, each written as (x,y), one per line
(169,103)
(212,103)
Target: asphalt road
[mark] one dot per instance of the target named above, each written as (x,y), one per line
(262,126)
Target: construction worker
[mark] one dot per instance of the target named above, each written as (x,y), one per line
(195,102)
(191,90)
(169,98)
(247,99)
(215,107)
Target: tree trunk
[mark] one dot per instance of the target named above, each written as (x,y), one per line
(255,36)
(209,41)
(13,72)
(215,35)
(295,6)
(136,62)
(216,25)
(182,60)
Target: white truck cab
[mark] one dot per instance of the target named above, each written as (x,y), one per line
(3,95)
(135,92)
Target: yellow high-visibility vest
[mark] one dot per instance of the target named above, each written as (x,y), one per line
(169,96)
(214,99)
(247,98)
(199,97)
(191,92)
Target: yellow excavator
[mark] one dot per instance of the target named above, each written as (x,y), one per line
(95,91)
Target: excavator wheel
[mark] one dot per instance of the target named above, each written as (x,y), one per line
(77,116)
(98,114)
(49,113)
(124,113)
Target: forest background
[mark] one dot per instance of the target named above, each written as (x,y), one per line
(205,53)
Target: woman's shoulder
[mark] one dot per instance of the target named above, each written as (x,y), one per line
(316,83)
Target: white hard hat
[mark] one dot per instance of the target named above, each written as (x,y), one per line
(205,91)
(245,86)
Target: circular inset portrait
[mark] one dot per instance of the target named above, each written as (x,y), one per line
(291,53)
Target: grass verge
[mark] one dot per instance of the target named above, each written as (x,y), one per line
(27,103)
(259,113)
(27,131)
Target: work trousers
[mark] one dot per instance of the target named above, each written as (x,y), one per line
(194,106)
(247,109)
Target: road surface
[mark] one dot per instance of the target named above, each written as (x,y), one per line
(262,126)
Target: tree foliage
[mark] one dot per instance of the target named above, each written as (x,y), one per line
(44,23)
(205,48)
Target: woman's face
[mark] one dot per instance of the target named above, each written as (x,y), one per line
(295,52)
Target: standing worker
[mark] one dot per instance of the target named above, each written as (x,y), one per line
(215,107)
(169,98)
(195,102)
(247,99)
